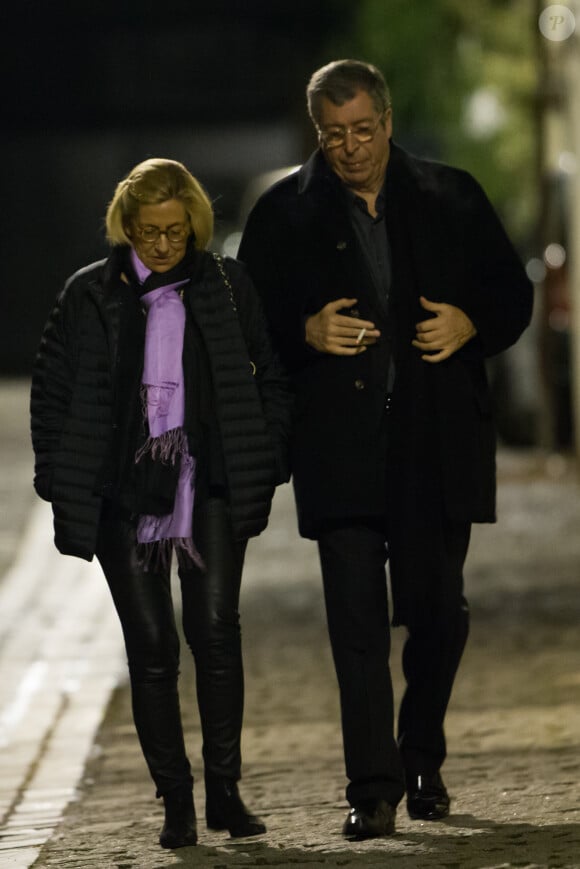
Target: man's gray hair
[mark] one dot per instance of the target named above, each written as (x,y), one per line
(341,80)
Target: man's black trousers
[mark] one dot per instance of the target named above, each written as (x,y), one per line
(353,556)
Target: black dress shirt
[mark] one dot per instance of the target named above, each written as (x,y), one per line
(371,233)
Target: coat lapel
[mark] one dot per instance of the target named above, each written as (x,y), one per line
(338,248)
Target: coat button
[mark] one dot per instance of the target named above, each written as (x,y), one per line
(354,312)
(359,384)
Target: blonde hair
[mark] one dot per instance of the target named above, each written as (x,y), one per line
(150,183)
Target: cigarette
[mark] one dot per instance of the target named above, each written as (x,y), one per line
(360,335)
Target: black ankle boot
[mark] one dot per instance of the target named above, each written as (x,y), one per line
(180,827)
(224,810)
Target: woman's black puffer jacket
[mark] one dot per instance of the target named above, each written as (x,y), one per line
(73,385)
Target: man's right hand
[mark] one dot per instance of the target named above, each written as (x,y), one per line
(331,332)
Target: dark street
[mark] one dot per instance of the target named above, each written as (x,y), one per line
(513,765)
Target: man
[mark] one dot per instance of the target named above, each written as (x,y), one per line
(387,280)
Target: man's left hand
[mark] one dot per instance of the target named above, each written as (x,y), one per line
(441,336)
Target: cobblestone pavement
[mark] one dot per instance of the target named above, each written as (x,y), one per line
(513,726)
(16,496)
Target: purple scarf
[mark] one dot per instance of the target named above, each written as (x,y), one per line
(163,391)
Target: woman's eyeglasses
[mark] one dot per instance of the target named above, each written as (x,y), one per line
(173,234)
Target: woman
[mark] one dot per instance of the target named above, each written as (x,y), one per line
(159,422)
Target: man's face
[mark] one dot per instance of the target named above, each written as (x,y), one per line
(360,165)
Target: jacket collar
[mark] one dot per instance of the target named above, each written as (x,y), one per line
(114,265)
(316,170)
(118,268)
(109,272)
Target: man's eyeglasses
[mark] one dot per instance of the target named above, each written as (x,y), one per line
(336,136)
(174,234)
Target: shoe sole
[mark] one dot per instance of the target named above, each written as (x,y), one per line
(432,816)
(234,833)
(172,845)
(359,837)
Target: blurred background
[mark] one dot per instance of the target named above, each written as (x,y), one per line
(492,86)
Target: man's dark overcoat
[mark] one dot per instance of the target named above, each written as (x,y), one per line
(448,245)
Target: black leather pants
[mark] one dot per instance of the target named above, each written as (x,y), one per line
(212,630)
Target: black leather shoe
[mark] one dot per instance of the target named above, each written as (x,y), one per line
(369,819)
(180,827)
(427,797)
(224,810)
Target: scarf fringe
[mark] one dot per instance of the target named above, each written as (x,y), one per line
(166,448)
(157,556)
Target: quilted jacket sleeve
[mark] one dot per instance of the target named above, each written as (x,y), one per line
(273,383)
(52,380)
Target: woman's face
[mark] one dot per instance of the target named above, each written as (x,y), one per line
(159,234)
